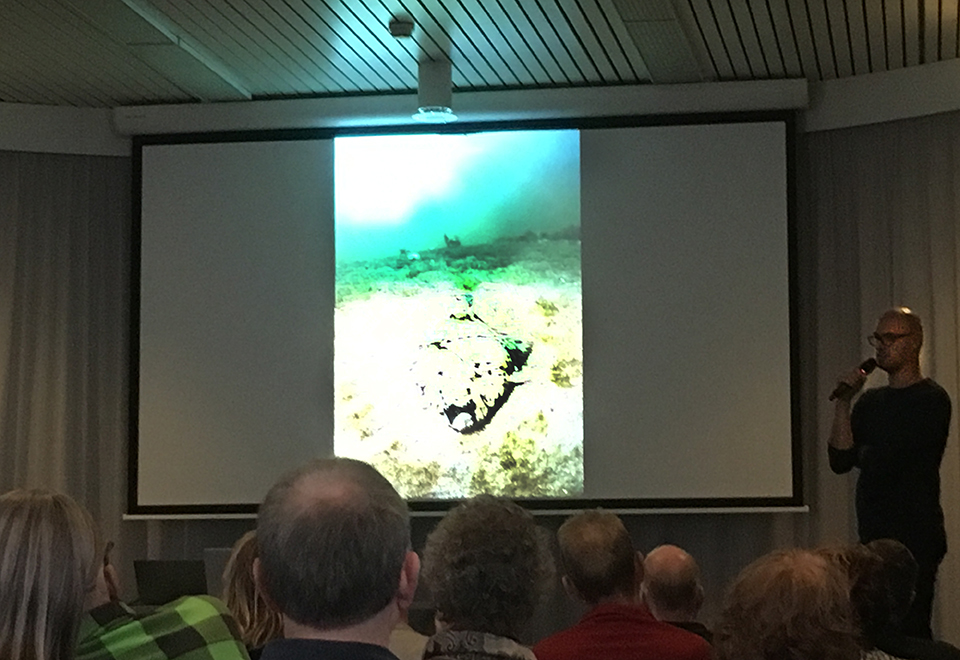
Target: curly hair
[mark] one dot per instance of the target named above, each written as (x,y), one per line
(487,564)
(788,605)
(258,620)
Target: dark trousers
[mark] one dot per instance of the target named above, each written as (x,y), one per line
(917,621)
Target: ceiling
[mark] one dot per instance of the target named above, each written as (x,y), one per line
(108,53)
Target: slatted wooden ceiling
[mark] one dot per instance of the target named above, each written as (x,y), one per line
(104,53)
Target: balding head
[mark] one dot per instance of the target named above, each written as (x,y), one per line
(333,537)
(671,584)
(598,558)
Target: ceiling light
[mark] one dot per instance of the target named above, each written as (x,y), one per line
(435,93)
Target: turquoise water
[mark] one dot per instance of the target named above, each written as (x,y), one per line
(409,192)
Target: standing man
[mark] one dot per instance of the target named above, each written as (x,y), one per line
(896,436)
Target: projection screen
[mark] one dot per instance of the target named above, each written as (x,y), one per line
(570,315)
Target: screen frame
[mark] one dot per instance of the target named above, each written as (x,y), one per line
(787,117)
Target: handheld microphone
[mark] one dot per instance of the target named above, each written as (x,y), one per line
(866,368)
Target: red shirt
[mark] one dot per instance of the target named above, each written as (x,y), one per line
(615,631)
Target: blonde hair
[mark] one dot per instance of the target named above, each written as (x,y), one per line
(258,619)
(48,564)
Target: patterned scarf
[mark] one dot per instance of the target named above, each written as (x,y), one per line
(468,645)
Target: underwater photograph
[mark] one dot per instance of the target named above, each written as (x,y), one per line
(458,334)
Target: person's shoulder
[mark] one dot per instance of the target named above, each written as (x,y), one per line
(197,606)
(558,646)
(311,649)
(189,628)
(205,627)
(683,644)
(934,388)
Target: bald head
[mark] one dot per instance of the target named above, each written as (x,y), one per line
(671,584)
(907,319)
(333,537)
(598,558)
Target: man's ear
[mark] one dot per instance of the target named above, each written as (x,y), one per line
(638,572)
(569,588)
(409,578)
(699,598)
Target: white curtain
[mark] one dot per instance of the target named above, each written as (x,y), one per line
(64,327)
(883,199)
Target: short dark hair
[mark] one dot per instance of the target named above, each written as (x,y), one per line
(333,539)
(898,572)
(487,564)
(598,555)
(789,604)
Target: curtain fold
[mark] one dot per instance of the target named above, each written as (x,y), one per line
(64,326)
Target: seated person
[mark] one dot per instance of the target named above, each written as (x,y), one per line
(335,558)
(48,560)
(189,628)
(258,620)
(53,541)
(486,564)
(671,588)
(788,604)
(602,569)
(856,562)
(883,600)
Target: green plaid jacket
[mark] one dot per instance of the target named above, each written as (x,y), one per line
(191,628)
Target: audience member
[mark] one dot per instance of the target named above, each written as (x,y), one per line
(856,561)
(258,620)
(883,600)
(335,558)
(59,595)
(789,604)
(671,588)
(487,565)
(602,568)
(190,628)
(48,565)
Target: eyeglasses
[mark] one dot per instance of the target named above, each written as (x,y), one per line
(885,339)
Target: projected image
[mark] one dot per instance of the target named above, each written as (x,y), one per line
(458,358)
